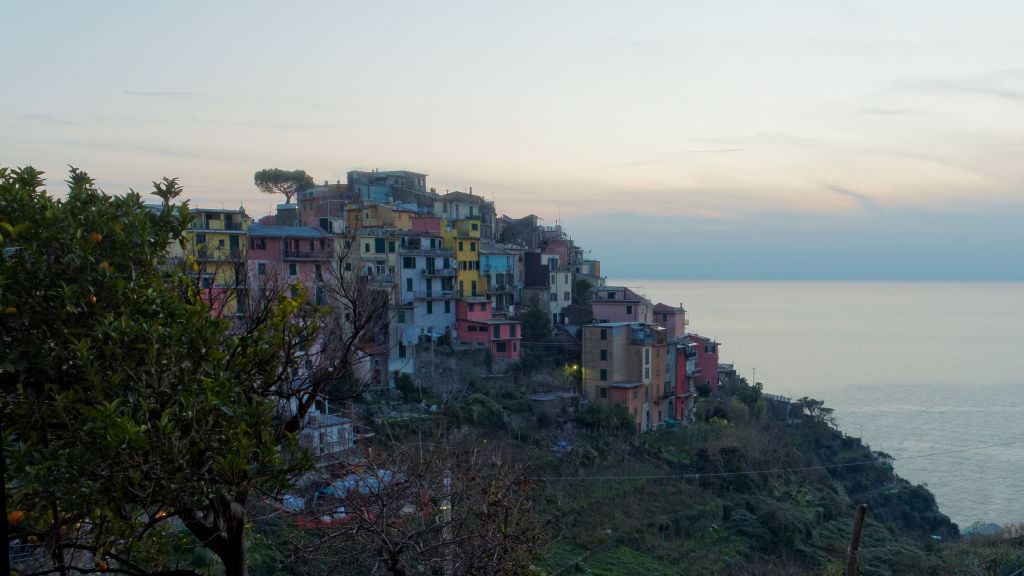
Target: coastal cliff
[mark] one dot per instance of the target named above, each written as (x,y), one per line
(738,491)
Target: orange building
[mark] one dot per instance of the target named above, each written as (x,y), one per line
(624,363)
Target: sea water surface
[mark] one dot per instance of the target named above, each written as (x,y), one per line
(932,373)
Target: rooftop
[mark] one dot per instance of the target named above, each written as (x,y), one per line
(288,231)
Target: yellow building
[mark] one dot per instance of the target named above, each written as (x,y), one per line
(367,215)
(403,218)
(217,240)
(463,238)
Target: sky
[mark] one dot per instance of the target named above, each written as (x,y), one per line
(719,140)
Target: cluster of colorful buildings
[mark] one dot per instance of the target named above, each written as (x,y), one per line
(640,355)
(454,270)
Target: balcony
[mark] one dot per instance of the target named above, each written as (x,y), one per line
(216,226)
(443,273)
(435,294)
(220,255)
(501,289)
(382,279)
(320,255)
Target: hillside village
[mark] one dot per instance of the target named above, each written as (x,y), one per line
(469,394)
(452,271)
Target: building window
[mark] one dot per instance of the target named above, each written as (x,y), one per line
(647,355)
(611,295)
(472,328)
(348,266)
(318,273)
(391,246)
(604,392)
(430,307)
(379,245)
(474,226)
(401,350)
(319,295)
(554,297)
(292,269)
(515,346)
(408,284)
(472,307)
(460,246)
(629,309)
(647,372)
(512,331)
(709,349)
(447,306)
(261,268)
(472,246)
(205,283)
(636,394)
(401,316)
(604,354)
(409,262)
(366,247)
(483,306)
(604,333)
(604,374)
(500,347)
(497,331)
(566,296)
(473,287)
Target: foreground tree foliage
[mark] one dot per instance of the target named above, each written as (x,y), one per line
(128,410)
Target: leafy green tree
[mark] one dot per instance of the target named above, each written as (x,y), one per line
(125,404)
(287,182)
(536,325)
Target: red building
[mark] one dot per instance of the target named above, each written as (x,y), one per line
(706,362)
(476,327)
(291,254)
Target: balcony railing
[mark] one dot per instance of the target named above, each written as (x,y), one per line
(290,254)
(442,273)
(382,279)
(221,255)
(216,225)
(435,294)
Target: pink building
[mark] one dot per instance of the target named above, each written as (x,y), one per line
(672,319)
(322,206)
(427,223)
(613,304)
(290,254)
(706,362)
(476,327)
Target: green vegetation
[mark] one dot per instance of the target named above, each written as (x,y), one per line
(135,423)
(287,182)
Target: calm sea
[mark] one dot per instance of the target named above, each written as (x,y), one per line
(931,373)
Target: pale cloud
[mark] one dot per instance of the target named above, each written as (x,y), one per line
(862,201)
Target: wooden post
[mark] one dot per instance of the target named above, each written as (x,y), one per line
(852,564)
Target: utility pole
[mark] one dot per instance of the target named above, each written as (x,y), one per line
(852,563)
(446,528)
